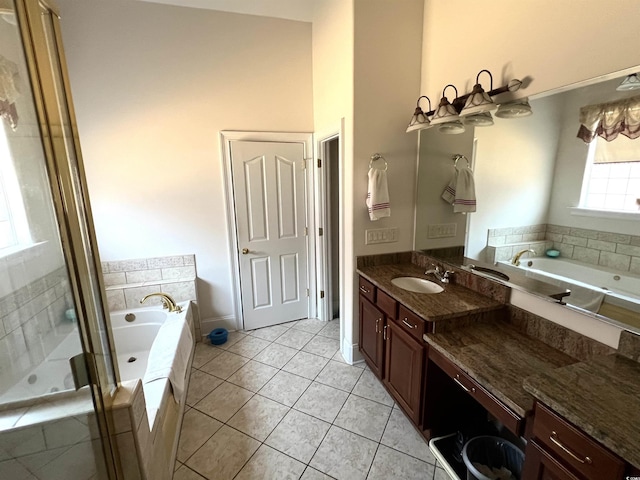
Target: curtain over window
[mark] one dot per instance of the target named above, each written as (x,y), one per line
(608,120)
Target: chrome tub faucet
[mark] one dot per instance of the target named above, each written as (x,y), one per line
(168,303)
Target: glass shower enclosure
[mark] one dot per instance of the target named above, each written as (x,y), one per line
(57,366)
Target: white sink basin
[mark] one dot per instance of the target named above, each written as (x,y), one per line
(418,285)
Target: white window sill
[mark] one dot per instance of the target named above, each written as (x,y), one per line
(590,212)
(19,250)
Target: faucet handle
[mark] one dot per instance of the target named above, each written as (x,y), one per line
(446,276)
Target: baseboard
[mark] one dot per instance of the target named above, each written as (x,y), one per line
(208,324)
(351,353)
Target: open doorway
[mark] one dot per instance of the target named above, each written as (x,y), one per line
(329,219)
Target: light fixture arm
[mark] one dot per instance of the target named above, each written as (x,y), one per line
(490,78)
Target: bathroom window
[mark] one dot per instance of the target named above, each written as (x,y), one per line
(612,176)
(14,228)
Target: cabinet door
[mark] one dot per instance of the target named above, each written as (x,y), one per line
(540,465)
(403,369)
(371,340)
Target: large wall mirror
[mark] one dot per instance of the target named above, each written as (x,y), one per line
(541,190)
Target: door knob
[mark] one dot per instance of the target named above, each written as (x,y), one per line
(245,251)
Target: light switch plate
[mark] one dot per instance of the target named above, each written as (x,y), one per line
(442,230)
(381,235)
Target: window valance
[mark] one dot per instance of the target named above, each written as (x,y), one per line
(608,120)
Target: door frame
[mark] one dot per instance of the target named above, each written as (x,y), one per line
(322,214)
(228,136)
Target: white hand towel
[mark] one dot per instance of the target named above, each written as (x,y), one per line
(449,194)
(465,200)
(169,355)
(378,194)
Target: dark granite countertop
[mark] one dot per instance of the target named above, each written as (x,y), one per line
(600,396)
(498,356)
(454,302)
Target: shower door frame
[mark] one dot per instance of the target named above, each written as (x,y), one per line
(68,206)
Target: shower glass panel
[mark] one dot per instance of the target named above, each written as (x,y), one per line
(50,287)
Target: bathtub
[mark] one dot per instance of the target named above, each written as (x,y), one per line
(52,378)
(620,289)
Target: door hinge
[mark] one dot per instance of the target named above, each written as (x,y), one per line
(320,232)
(306,231)
(307,292)
(319,163)
(321,293)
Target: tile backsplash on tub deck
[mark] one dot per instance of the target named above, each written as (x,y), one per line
(128,281)
(619,252)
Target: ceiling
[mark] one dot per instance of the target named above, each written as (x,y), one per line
(301,10)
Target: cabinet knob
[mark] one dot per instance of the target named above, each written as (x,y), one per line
(384,333)
(364,289)
(377,321)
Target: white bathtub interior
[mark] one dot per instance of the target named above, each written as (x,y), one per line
(617,288)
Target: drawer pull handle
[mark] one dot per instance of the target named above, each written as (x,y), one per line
(384,333)
(553,438)
(466,389)
(364,289)
(377,321)
(408,324)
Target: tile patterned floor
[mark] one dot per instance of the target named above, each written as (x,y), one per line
(280,403)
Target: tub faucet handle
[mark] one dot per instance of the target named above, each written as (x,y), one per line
(168,303)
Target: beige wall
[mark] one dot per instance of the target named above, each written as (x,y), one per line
(333,113)
(153,85)
(387,52)
(555,43)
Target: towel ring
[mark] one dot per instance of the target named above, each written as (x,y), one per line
(377,156)
(459,157)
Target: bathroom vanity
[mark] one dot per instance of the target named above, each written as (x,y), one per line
(454,358)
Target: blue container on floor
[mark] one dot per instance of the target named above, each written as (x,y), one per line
(218,336)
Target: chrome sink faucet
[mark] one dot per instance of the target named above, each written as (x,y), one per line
(168,303)
(516,258)
(444,277)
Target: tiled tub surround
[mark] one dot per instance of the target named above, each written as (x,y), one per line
(33,300)
(128,281)
(607,249)
(146,421)
(50,449)
(147,448)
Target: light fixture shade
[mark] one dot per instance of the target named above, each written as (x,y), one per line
(631,82)
(454,127)
(478,101)
(445,113)
(483,119)
(516,109)
(419,121)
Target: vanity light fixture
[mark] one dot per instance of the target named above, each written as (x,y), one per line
(631,82)
(446,115)
(419,119)
(475,108)
(516,109)
(478,104)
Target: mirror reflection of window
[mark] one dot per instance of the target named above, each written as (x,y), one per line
(14,228)
(612,175)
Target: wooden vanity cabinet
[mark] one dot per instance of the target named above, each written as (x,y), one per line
(372,323)
(559,451)
(391,342)
(404,360)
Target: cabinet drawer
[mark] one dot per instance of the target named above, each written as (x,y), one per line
(387,304)
(367,289)
(411,323)
(574,447)
(495,407)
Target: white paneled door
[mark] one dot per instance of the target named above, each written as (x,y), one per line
(269,197)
